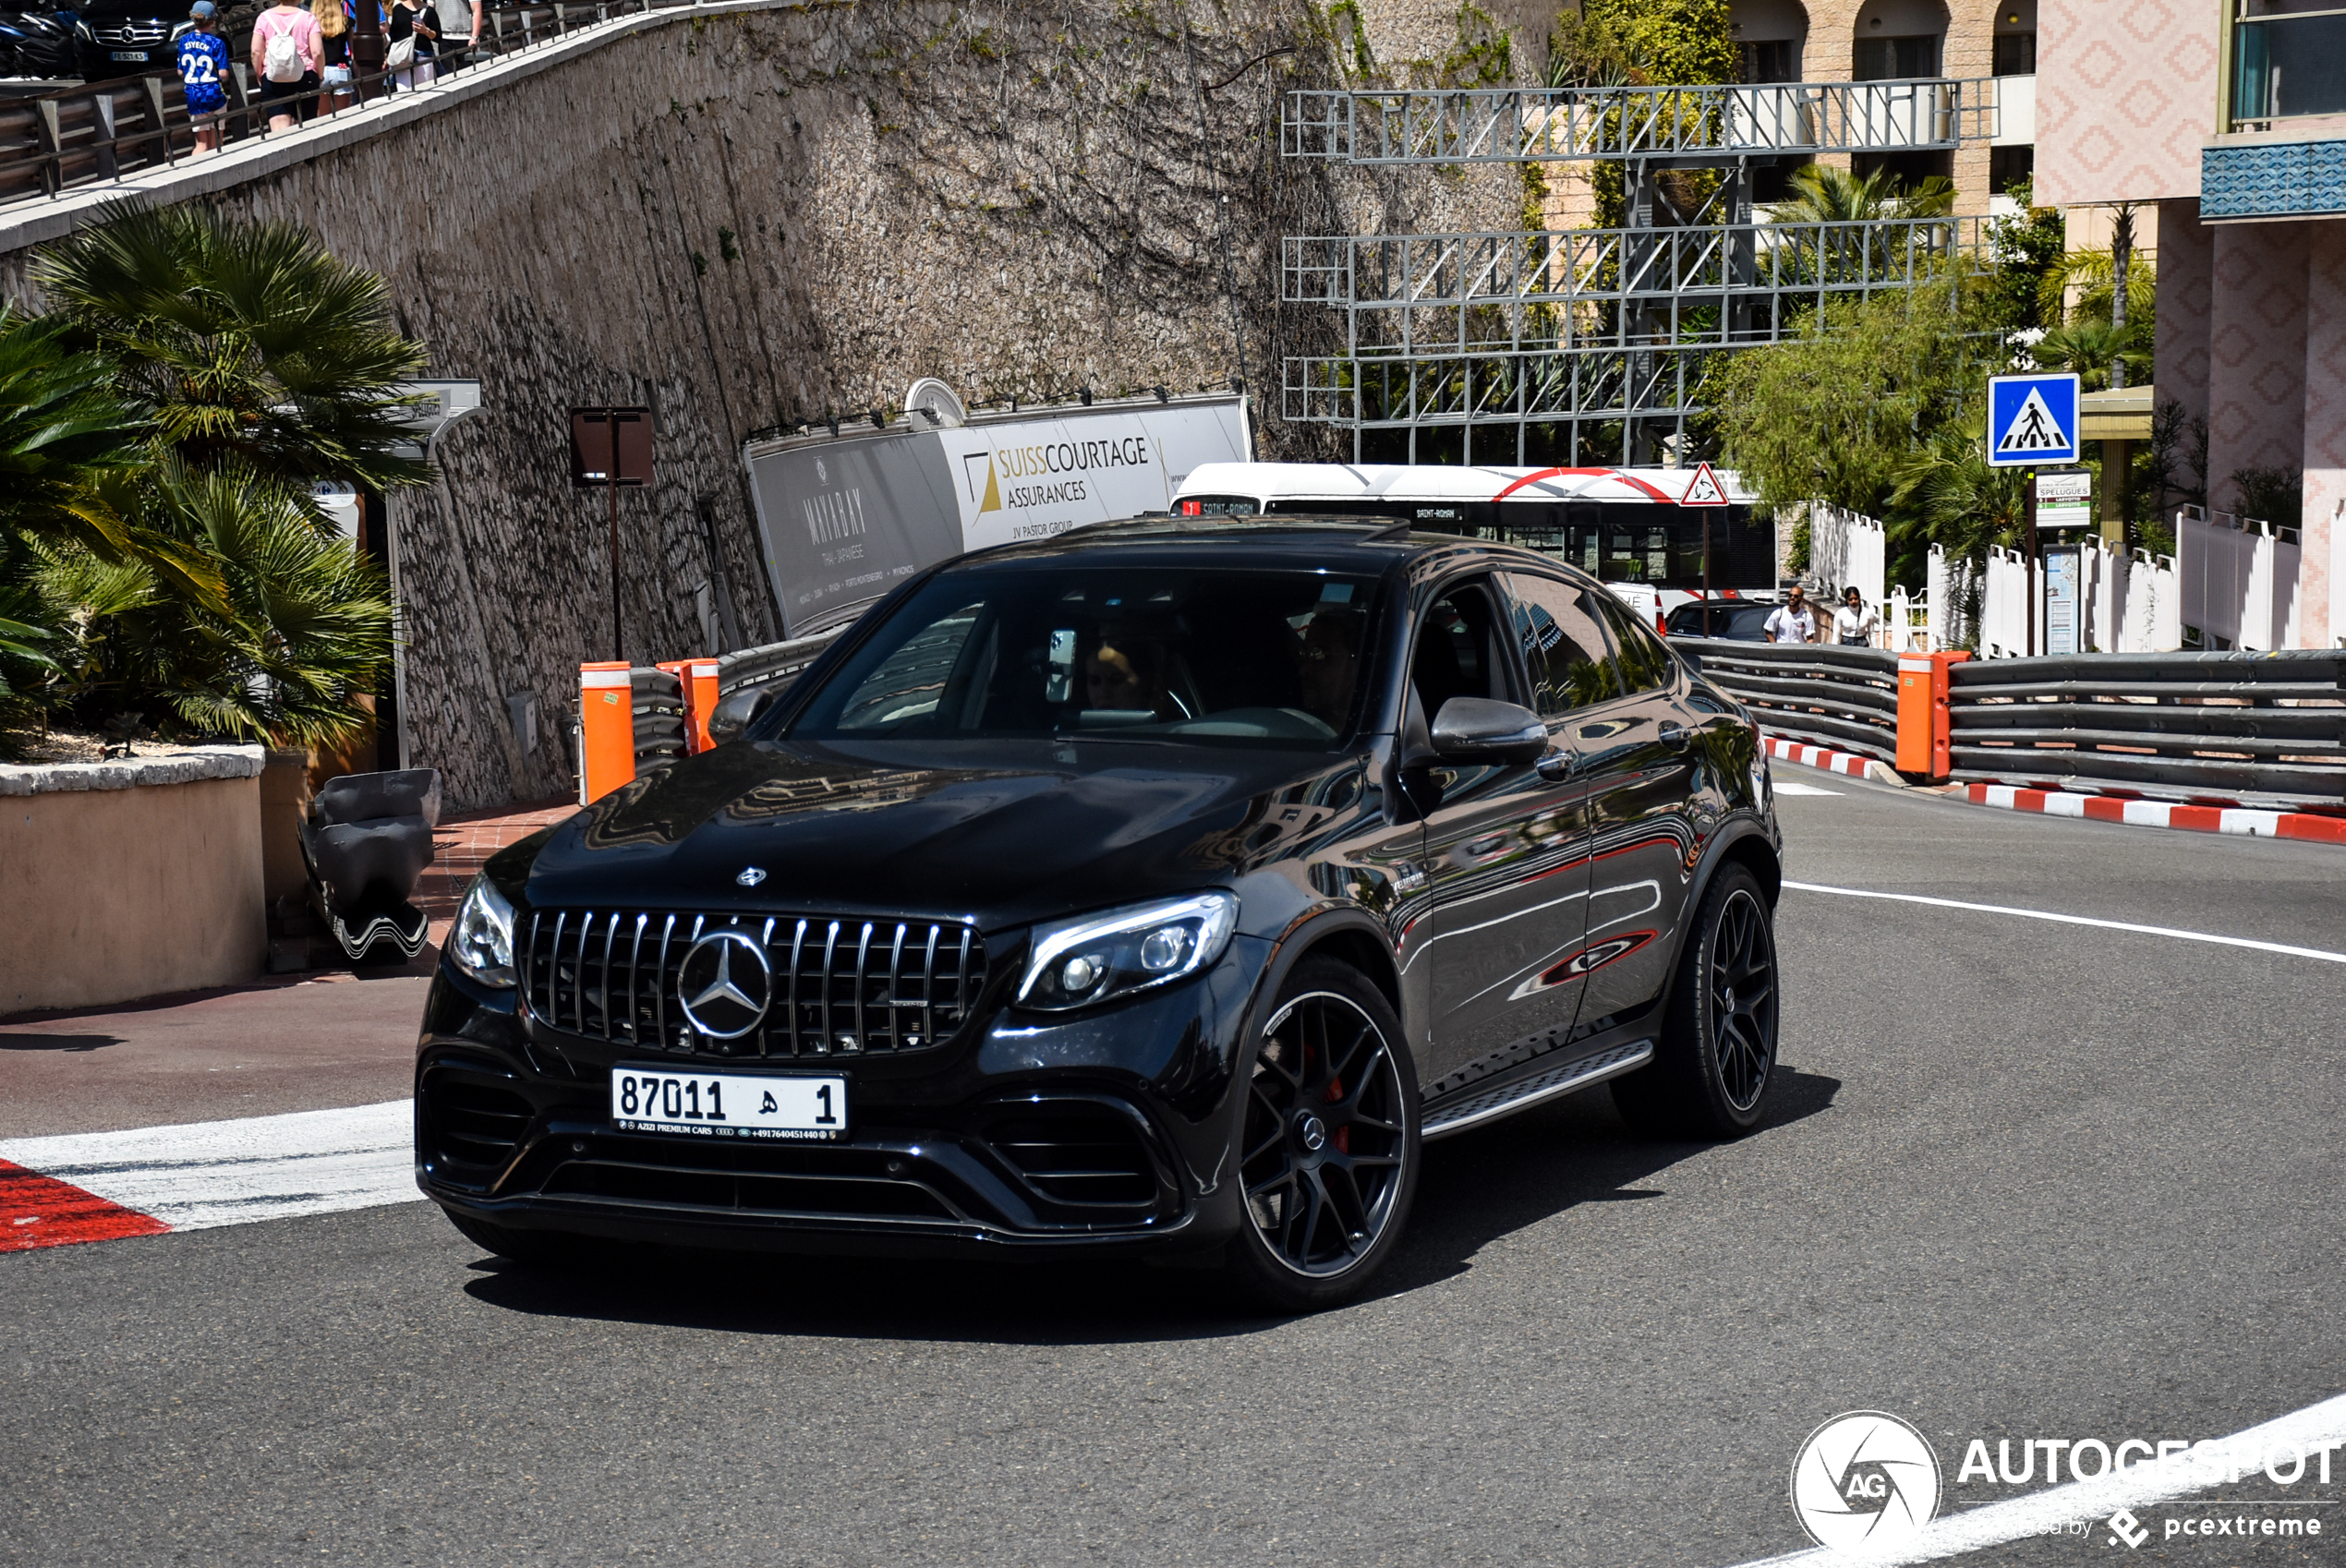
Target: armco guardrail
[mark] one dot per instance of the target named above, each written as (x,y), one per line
(774,662)
(2214,726)
(658,702)
(1847,698)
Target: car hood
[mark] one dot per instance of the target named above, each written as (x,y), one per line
(1002,834)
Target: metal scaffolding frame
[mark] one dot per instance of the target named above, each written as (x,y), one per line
(1518,125)
(1541,344)
(1723,283)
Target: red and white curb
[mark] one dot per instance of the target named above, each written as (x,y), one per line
(2242,820)
(1832,761)
(145,1181)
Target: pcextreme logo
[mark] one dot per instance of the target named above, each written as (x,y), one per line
(1865,1479)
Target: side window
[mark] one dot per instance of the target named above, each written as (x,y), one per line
(1458,652)
(1642,663)
(1564,650)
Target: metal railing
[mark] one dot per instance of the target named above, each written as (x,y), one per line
(1847,698)
(2204,726)
(80,136)
(1513,125)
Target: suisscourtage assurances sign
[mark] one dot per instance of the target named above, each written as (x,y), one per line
(843,520)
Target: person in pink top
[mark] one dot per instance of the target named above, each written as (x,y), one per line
(288,53)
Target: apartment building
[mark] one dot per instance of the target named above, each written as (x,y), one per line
(2227,118)
(1991,46)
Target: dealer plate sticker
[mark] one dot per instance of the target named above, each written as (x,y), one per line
(794,1108)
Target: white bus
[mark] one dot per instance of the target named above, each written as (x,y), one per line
(1624,526)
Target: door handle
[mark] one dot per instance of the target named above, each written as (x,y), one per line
(1557,766)
(1677,737)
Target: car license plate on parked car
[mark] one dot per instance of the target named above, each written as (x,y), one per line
(137,54)
(790,1108)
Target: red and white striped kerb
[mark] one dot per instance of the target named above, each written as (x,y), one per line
(2161,813)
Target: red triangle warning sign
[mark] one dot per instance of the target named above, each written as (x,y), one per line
(1706,490)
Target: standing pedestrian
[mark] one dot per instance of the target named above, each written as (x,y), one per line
(459,43)
(287,56)
(334,74)
(203,62)
(1793,622)
(413,29)
(1853,623)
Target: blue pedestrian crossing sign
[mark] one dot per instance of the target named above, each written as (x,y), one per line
(2031,420)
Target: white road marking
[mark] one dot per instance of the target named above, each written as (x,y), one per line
(2079,919)
(2000,1522)
(1786,787)
(204,1174)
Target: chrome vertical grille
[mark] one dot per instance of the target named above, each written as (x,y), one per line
(841,986)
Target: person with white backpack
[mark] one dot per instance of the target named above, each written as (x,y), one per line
(288,53)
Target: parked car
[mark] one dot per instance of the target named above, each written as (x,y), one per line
(1737,621)
(128,38)
(39,44)
(1158,889)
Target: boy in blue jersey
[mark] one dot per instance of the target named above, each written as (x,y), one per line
(203,61)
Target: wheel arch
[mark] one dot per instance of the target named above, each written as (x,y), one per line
(1349,935)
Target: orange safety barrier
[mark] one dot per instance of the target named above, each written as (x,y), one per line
(1922,713)
(607,729)
(698,677)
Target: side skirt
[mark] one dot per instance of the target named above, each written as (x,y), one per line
(1490,1105)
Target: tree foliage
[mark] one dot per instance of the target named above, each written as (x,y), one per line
(161,559)
(242,344)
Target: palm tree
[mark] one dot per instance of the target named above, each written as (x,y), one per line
(61,428)
(1823,194)
(308,623)
(1953,499)
(2089,345)
(243,344)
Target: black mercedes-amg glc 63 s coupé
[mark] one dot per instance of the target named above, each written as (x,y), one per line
(1158,889)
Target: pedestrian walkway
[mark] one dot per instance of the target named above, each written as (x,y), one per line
(462,845)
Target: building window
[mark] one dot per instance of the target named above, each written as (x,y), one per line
(2009,166)
(2288,58)
(2016,54)
(1775,59)
(1891,59)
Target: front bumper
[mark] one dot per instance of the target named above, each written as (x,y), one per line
(1107,1131)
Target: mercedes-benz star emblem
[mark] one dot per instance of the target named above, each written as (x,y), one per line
(725,984)
(750,875)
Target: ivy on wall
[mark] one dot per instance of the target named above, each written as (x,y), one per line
(1642,43)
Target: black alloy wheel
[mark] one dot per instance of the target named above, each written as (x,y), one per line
(1717,1055)
(1328,1142)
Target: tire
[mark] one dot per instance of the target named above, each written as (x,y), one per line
(1716,1061)
(530,1248)
(1326,1146)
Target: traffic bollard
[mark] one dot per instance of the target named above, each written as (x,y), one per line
(698,677)
(1922,714)
(607,729)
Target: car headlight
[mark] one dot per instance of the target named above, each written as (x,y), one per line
(83,28)
(1097,957)
(482,943)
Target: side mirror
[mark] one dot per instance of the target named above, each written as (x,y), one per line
(1478,729)
(732,714)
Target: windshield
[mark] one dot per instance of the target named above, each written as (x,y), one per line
(1216,656)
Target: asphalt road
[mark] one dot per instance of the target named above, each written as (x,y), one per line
(2026,1180)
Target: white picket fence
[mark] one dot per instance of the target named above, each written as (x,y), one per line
(1845,550)
(2131,604)
(2240,580)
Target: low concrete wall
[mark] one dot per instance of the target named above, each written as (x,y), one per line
(130,879)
